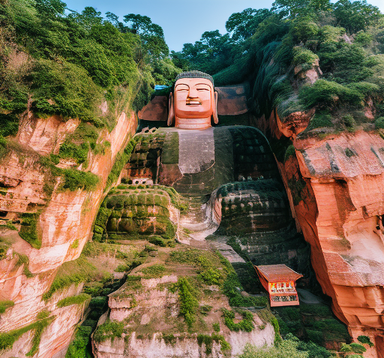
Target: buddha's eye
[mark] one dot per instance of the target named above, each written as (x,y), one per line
(203,89)
(181,88)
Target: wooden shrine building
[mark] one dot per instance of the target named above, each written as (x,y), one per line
(280,282)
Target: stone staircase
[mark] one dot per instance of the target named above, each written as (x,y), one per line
(197,222)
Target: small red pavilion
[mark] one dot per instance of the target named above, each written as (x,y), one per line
(280,282)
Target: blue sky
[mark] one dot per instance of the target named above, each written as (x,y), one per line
(182,21)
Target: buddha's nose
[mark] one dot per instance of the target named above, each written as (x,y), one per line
(193,93)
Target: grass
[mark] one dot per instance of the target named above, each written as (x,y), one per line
(73,300)
(154,271)
(109,330)
(5,304)
(188,301)
(9,338)
(28,230)
(76,179)
(121,159)
(73,272)
(208,341)
(24,260)
(246,324)
(78,347)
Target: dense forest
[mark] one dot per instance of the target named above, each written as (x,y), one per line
(273,48)
(56,61)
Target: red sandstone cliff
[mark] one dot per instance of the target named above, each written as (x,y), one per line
(335,187)
(64,226)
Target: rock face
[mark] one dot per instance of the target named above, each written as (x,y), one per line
(335,190)
(148,311)
(346,176)
(63,226)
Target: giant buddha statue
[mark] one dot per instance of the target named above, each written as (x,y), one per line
(193,102)
(228,173)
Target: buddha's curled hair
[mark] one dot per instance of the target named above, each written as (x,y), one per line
(195,74)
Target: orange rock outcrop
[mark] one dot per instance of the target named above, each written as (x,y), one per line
(336,190)
(64,224)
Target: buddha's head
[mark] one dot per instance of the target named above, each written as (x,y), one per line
(193,102)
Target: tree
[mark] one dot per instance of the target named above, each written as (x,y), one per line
(152,35)
(211,54)
(295,8)
(243,24)
(357,15)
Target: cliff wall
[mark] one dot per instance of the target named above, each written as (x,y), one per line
(334,184)
(63,223)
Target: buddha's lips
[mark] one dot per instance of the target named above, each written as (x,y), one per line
(193,102)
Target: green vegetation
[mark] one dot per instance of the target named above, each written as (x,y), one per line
(246,324)
(379,123)
(276,48)
(78,347)
(312,322)
(290,347)
(208,341)
(108,330)
(230,289)
(28,230)
(129,208)
(154,271)
(365,340)
(69,62)
(77,179)
(24,260)
(73,300)
(188,301)
(121,159)
(289,152)
(9,338)
(5,304)
(73,272)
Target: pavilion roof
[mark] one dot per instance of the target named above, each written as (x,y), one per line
(277,273)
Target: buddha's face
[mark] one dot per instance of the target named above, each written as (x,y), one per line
(194,98)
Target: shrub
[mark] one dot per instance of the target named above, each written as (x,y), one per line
(208,340)
(28,230)
(78,347)
(73,272)
(74,300)
(188,301)
(349,122)
(5,304)
(365,340)
(379,123)
(77,179)
(3,147)
(303,56)
(320,120)
(289,152)
(305,28)
(246,324)
(205,309)
(328,93)
(154,271)
(230,289)
(108,330)
(9,338)
(287,348)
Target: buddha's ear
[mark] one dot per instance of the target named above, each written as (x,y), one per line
(171,111)
(215,102)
